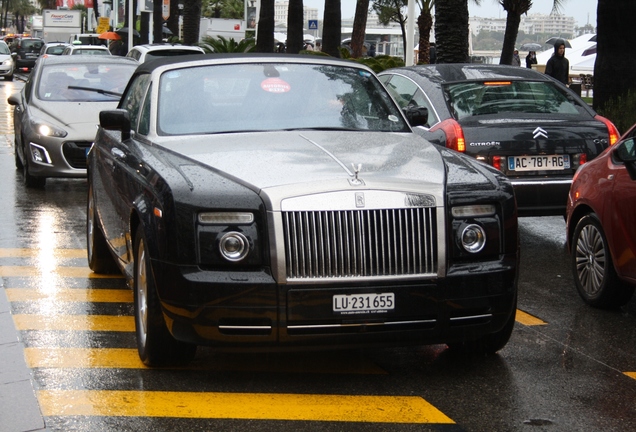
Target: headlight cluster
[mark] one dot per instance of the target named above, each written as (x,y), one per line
(476,229)
(228,237)
(46,129)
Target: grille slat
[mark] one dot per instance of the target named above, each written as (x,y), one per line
(360,243)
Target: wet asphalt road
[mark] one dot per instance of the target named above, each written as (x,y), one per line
(568,367)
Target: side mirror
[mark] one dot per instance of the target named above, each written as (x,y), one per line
(626,153)
(416,115)
(116,120)
(14,99)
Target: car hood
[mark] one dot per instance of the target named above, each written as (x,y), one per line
(82,117)
(279,162)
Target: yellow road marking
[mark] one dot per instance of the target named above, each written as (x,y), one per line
(29,253)
(631,374)
(60,271)
(527,319)
(74,322)
(254,406)
(127,358)
(71,295)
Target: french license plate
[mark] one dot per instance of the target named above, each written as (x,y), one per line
(539,163)
(349,304)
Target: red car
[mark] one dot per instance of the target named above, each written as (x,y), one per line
(601,225)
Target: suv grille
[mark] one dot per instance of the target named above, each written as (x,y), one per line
(360,243)
(75,153)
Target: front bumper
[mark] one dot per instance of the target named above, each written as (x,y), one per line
(56,158)
(249,310)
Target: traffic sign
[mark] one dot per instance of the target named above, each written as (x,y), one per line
(313,24)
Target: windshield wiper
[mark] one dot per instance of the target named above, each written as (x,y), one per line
(96,90)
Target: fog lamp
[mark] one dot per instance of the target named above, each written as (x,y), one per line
(39,154)
(473,238)
(234,246)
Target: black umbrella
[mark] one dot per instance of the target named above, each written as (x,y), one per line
(124,32)
(165,30)
(593,39)
(589,51)
(554,40)
(531,46)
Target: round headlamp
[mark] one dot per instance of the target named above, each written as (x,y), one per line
(234,246)
(472,238)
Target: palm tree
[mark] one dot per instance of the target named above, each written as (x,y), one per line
(451,30)
(295,20)
(616,51)
(516,8)
(425,25)
(191,21)
(331,29)
(359,28)
(265,35)
(392,10)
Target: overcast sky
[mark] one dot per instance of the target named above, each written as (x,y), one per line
(581,10)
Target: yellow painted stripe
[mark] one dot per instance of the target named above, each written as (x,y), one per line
(253,406)
(59,271)
(126,358)
(74,322)
(71,295)
(527,319)
(631,374)
(88,358)
(34,252)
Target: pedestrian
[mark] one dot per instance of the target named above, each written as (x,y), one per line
(531,59)
(558,66)
(516,61)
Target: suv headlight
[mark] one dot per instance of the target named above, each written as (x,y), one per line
(227,237)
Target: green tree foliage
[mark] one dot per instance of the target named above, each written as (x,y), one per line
(392,11)
(220,44)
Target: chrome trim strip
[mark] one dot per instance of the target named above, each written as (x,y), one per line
(361,324)
(539,182)
(247,327)
(471,317)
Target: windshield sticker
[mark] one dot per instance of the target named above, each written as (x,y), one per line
(275,85)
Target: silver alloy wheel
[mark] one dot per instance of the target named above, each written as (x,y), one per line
(590,259)
(142,294)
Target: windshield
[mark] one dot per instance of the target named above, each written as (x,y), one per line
(249,97)
(4,49)
(496,97)
(55,81)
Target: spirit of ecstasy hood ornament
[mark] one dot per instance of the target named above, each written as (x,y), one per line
(355,181)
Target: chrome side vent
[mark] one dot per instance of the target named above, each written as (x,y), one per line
(360,243)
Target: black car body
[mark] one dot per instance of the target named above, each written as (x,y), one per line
(524,123)
(26,51)
(266,202)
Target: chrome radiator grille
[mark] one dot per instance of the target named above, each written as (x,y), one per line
(360,243)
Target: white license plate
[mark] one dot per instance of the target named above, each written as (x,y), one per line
(539,163)
(363,303)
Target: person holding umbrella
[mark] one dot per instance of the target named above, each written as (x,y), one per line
(531,59)
(558,66)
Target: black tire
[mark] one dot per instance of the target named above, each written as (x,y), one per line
(490,343)
(593,268)
(16,155)
(100,260)
(8,77)
(156,346)
(31,181)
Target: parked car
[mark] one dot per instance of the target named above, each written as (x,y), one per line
(56,113)
(87,39)
(26,51)
(601,225)
(53,48)
(522,122)
(283,201)
(85,50)
(7,66)
(143,53)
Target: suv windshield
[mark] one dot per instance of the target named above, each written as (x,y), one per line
(468,99)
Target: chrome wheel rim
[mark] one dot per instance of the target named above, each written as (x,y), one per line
(142,295)
(590,260)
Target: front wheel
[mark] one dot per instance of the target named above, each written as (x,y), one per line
(593,269)
(100,259)
(156,346)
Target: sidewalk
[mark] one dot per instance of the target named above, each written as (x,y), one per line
(19,408)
